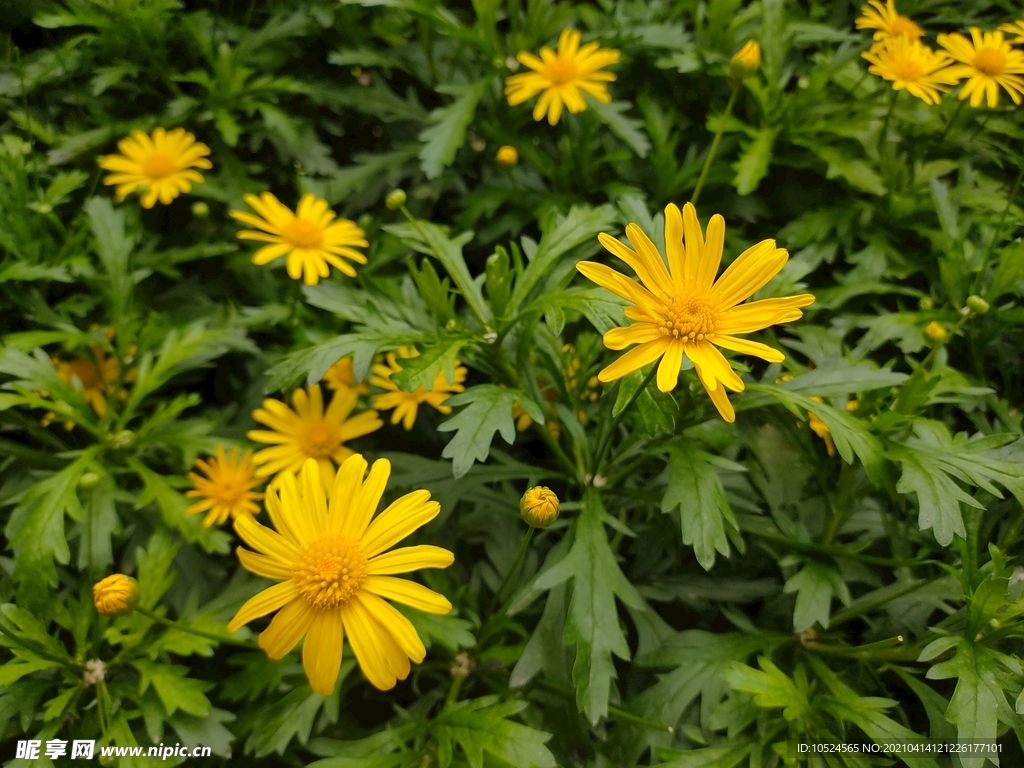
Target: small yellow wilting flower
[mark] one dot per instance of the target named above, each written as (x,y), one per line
(226,491)
(746,61)
(935,331)
(161,164)
(912,65)
(335,574)
(309,431)
(988,62)
(406,404)
(559,77)
(115,595)
(309,239)
(539,506)
(683,311)
(887,22)
(820,428)
(507,155)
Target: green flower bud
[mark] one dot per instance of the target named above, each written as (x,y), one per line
(539,507)
(977,304)
(396,199)
(88,480)
(926,303)
(200,209)
(122,439)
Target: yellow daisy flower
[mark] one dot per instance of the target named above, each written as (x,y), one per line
(912,65)
(988,61)
(682,310)
(307,237)
(309,432)
(98,376)
(342,376)
(335,576)
(162,164)
(226,491)
(406,404)
(559,77)
(887,21)
(1015,28)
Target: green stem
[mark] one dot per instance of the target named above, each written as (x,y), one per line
(523,546)
(939,345)
(606,440)
(885,122)
(949,124)
(618,714)
(198,632)
(995,235)
(714,144)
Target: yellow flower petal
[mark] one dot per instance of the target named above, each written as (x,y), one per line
(286,629)
(408,593)
(262,603)
(408,559)
(400,519)
(321,651)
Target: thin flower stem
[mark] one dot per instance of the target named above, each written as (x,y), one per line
(952,119)
(523,546)
(885,122)
(198,632)
(714,144)
(606,441)
(995,235)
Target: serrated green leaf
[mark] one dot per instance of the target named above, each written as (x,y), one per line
(771,688)
(482,726)
(695,490)
(754,161)
(629,129)
(446,131)
(593,622)
(176,691)
(488,410)
(422,370)
(815,585)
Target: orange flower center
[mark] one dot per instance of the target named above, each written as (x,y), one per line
(302,233)
(689,318)
(907,70)
(159,165)
(561,70)
(990,61)
(320,440)
(901,25)
(229,489)
(330,571)
(85,370)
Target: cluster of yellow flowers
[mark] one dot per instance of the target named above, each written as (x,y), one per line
(987,61)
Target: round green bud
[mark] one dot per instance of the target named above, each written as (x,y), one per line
(926,302)
(539,507)
(977,304)
(88,480)
(396,199)
(200,209)
(122,439)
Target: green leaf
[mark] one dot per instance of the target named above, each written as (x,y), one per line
(932,462)
(771,688)
(35,529)
(176,691)
(851,436)
(488,410)
(629,129)
(815,585)
(974,708)
(173,505)
(14,670)
(481,726)
(841,377)
(754,161)
(422,370)
(385,169)
(446,131)
(593,622)
(314,361)
(431,240)
(858,173)
(206,731)
(1009,272)
(694,488)
(113,245)
(291,717)
(447,630)
(582,223)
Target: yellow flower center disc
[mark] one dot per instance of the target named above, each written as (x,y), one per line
(303,234)
(689,318)
(561,70)
(330,571)
(320,440)
(990,61)
(159,165)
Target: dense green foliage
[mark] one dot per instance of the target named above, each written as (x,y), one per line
(723,587)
